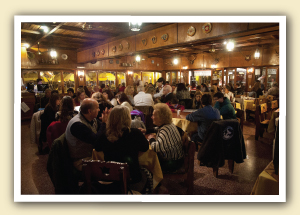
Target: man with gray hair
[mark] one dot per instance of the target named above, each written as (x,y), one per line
(274,90)
(142,98)
(167,94)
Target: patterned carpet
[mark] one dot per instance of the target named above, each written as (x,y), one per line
(35,179)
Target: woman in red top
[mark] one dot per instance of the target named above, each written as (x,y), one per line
(174,106)
(80,95)
(122,88)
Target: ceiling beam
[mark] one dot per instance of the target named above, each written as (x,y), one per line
(30,31)
(46,35)
(97,32)
(77,37)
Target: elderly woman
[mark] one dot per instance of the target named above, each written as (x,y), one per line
(102,101)
(80,96)
(121,143)
(123,100)
(167,140)
(129,90)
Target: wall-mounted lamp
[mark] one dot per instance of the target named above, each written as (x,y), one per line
(213,66)
(175,61)
(135,26)
(81,75)
(26,45)
(257,54)
(184,67)
(250,70)
(53,53)
(130,72)
(138,58)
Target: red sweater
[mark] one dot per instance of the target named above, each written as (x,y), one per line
(176,107)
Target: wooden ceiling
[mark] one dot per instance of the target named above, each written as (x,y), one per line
(80,35)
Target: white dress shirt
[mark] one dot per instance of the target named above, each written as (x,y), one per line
(230,96)
(160,94)
(143,99)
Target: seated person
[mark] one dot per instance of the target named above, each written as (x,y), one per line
(63,116)
(80,96)
(256,90)
(46,118)
(167,94)
(83,131)
(142,98)
(45,99)
(238,88)
(121,143)
(103,103)
(182,92)
(229,94)
(167,140)
(197,100)
(123,100)
(70,92)
(273,91)
(204,117)
(108,94)
(224,106)
(174,105)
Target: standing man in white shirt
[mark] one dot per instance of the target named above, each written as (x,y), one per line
(160,83)
(142,98)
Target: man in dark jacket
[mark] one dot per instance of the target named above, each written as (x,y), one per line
(223,104)
(204,117)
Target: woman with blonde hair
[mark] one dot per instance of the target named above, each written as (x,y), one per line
(129,90)
(167,140)
(102,101)
(120,143)
(80,96)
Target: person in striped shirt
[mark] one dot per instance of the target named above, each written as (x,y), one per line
(167,140)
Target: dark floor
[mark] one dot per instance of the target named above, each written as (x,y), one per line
(35,179)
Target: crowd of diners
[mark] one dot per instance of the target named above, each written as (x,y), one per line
(104,122)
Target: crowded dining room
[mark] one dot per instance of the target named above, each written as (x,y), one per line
(151,108)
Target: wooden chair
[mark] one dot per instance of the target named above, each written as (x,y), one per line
(187,171)
(96,170)
(261,120)
(216,148)
(240,116)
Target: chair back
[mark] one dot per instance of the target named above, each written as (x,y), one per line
(263,108)
(270,98)
(238,106)
(240,116)
(55,130)
(96,170)
(274,104)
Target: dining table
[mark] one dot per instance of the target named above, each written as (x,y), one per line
(147,159)
(181,121)
(267,182)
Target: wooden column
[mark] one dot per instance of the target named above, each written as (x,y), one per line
(62,82)
(222,77)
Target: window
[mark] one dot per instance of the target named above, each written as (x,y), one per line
(90,78)
(68,81)
(107,78)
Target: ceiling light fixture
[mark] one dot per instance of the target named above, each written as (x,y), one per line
(230,46)
(45,29)
(138,58)
(53,53)
(135,26)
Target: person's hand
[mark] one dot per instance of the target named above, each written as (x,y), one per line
(142,130)
(105,115)
(151,136)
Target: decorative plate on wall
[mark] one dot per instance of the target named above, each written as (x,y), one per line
(152,61)
(98,53)
(64,56)
(206,28)
(165,37)
(144,41)
(127,45)
(117,61)
(111,61)
(154,39)
(102,51)
(114,49)
(121,47)
(191,31)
